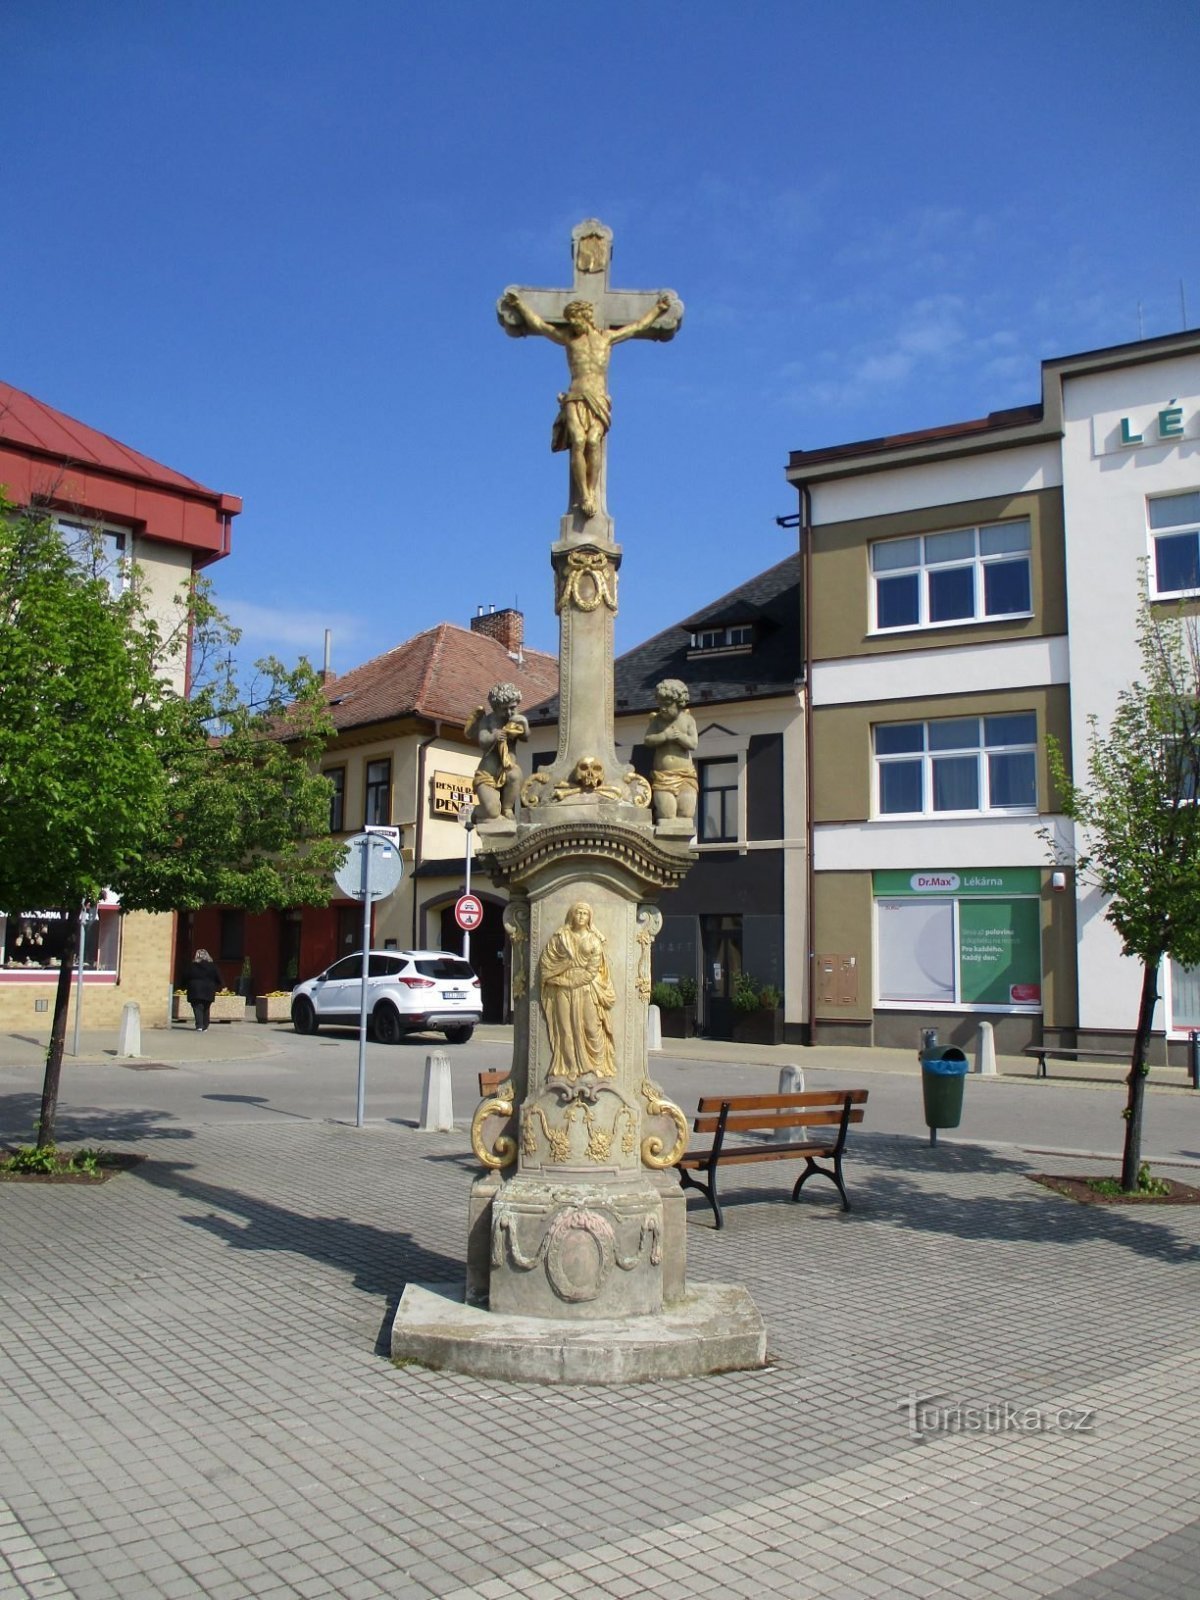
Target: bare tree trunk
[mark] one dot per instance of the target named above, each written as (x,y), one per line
(58,1030)
(1131,1160)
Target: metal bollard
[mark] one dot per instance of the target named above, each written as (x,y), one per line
(1194,1058)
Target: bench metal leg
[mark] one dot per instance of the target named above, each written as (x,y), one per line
(834,1176)
(708,1190)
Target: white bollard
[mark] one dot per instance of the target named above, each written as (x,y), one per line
(791,1081)
(437,1101)
(985,1051)
(129,1035)
(654,1029)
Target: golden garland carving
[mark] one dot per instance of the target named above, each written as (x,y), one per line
(649,925)
(516,925)
(585,582)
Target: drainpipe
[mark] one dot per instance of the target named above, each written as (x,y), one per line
(802,522)
(419,816)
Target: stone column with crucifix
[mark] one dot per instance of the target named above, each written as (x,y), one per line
(576,1258)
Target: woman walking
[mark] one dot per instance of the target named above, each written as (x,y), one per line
(202,980)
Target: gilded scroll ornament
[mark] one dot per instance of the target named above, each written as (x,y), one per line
(649,924)
(639,789)
(654,1154)
(587,581)
(533,789)
(504,1150)
(578,997)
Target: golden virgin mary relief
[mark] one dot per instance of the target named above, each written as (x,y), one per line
(577,998)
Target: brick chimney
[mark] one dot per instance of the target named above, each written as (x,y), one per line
(506,627)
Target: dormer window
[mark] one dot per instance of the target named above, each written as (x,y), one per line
(738,636)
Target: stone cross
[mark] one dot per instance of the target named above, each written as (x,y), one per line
(616,314)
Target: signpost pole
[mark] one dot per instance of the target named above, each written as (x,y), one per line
(469,825)
(362,1004)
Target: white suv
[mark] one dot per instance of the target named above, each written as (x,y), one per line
(407,990)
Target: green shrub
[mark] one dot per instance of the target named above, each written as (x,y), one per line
(666,997)
(687,991)
(769,997)
(745,993)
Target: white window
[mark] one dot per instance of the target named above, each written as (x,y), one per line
(957,764)
(1175,540)
(1185,996)
(737,637)
(916,950)
(966,575)
(101,547)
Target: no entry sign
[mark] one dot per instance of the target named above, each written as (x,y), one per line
(468,912)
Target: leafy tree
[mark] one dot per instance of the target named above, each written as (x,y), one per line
(111,778)
(1139,821)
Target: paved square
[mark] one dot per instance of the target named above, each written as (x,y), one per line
(977,1389)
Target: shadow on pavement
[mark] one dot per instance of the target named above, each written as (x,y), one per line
(19,1118)
(383,1260)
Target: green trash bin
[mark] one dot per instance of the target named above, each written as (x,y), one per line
(942,1075)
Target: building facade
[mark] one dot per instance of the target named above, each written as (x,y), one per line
(399,759)
(973,591)
(171,527)
(741,908)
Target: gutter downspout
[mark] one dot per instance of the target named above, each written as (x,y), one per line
(419,815)
(802,522)
(805,531)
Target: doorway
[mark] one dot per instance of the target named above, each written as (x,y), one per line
(721,943)
(487,956)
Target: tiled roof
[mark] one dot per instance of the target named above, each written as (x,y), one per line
(441,675)
(771,601)
(34,425)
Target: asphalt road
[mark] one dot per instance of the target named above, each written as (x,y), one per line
(315,1079)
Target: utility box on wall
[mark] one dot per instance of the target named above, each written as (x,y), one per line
(837,980)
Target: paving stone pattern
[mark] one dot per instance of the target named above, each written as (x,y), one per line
(195,1397)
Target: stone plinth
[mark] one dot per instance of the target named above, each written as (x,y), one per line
(714,1327)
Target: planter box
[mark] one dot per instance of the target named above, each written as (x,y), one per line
(273,1007)
(678,1022)
(225,1008)
(758,1027)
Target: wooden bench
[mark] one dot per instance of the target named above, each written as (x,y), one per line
(1066,1053)
(771,1116)
(489,1082)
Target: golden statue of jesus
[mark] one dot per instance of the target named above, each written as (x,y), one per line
(585,409)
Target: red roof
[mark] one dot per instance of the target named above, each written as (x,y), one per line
(51,458)
(441,675)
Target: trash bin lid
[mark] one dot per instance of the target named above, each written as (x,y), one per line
(949,1062)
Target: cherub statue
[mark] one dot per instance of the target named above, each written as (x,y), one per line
(585,409)
(497,779)
(672,736)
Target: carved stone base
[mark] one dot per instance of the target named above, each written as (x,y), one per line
(499,831)
(578,1251)
(716,1327)
(676,828)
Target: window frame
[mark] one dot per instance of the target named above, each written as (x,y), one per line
(337,798)
(115,567)
(376,789)
(729,794)
(977,563)
(928,756)
(1189,527)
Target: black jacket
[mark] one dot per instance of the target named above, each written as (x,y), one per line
(203,980)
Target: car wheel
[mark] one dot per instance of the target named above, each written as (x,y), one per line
(304,1015)
(386,1020)
(459,1035)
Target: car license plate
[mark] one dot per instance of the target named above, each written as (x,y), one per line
(454,994)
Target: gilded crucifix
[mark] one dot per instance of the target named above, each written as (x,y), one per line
(587,320)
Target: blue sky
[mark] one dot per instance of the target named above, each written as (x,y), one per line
(263,244)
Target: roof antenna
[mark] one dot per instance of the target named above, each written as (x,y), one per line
(1182,306)
(1141,325)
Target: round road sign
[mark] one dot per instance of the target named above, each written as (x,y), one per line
(372,868)
(468,912)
